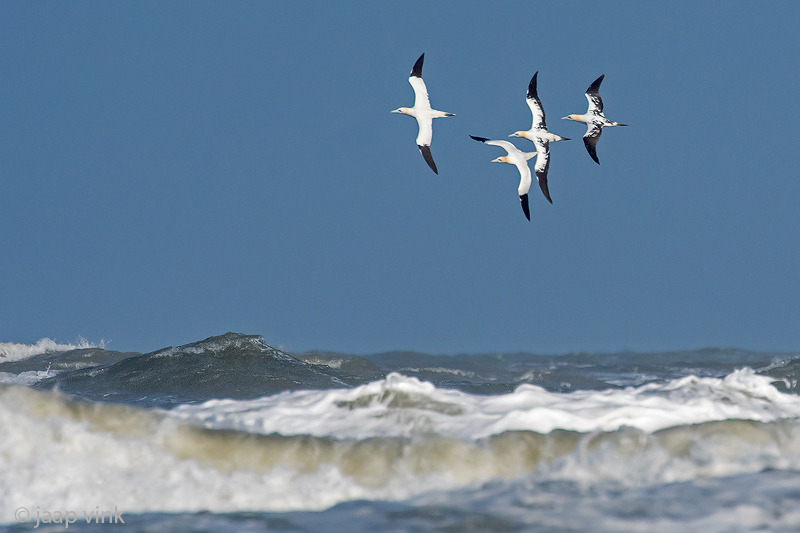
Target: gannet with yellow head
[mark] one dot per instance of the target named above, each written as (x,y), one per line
(538,133)
(422,112)
(519,159)
(593,118)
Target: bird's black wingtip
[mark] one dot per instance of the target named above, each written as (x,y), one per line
(417,70)
(525,209)
(592,150)
(532,87)
(595,86)
(426,154)
(481,139)
(543,185)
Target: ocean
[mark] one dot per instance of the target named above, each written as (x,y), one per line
(229,434)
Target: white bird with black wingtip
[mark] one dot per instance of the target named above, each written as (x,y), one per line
(423,112)
(593,118)
(539,135)
(519,159)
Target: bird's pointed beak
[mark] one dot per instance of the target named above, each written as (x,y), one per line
(515,134)
(395,111)
(498,160)
(566,118)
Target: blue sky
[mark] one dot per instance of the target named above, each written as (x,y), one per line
(175,170)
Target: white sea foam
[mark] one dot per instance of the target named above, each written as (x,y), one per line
(400,406)
(63,455)
(10,351)
(76,455)
(25,378)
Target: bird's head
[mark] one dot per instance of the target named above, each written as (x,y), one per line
(571,117)
(523,134)
(502,159)
(403,110)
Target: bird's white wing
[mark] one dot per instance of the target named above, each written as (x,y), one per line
(524,177)
(524,186)
(421,100)
(425,134)
(537,111)
(509,147)
(595,104)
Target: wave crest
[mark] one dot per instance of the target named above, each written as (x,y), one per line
(10,351)
(71,452)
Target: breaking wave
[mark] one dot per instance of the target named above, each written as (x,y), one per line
(10,351)
(404,437)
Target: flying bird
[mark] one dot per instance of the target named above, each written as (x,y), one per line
(593,118)
(422,112)
(519,159)
(539,135)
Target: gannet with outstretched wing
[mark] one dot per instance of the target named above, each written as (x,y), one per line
(593,118)
(519,159)
(422,112)
(539,135)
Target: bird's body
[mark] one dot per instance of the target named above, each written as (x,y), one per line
(423,112)
(539,135)
(519,159)
(594,119)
